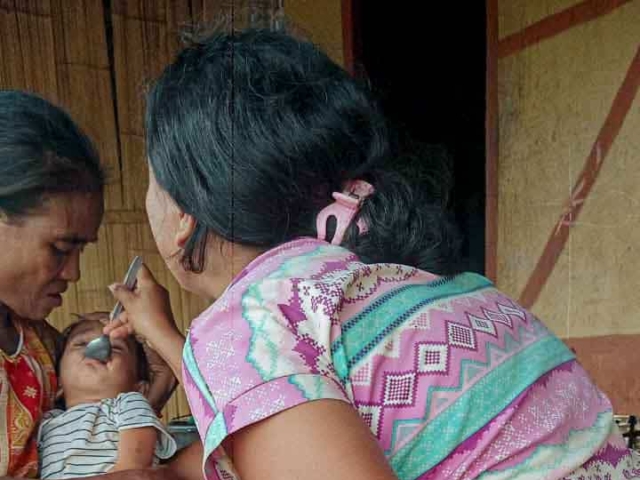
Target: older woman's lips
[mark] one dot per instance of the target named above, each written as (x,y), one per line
(56,298)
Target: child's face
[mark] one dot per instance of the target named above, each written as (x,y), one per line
(80,375)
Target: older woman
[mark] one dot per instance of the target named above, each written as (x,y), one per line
(51,206)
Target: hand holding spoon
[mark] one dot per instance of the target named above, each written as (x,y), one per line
(100,348)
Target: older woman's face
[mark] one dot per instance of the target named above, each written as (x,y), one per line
(41,252)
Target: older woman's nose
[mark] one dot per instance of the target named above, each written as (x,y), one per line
(71,270)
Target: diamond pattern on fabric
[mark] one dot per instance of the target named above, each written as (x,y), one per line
(399,389)
(461,336)
(362,377)
(432,358)
(482,325)
(421,322)
(371,414)
(511,311)
(498,317)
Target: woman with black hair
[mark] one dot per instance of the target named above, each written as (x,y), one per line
(342,343)
(51,206)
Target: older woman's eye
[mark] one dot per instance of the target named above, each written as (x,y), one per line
(59,252)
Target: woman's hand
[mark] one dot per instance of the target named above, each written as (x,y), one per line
(147,309)
(147,314)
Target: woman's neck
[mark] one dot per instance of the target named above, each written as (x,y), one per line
(9,336)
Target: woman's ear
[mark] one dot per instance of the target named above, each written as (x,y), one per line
(186,227)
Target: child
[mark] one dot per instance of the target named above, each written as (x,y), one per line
(108,424)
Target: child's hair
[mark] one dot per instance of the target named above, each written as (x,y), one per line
(142,364)
(251,132)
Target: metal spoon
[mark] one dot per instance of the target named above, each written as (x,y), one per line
(100,348)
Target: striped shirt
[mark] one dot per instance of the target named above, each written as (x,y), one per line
(83,440)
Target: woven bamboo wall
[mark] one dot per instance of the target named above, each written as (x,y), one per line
(564,143)
(94,58)
(320,22)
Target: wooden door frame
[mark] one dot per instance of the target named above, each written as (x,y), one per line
(491,143)
(351,36)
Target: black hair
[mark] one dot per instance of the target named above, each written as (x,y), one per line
(250,132)
(42,152)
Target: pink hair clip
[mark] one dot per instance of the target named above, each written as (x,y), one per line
(346,206)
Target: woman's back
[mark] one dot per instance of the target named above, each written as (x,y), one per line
(454,379)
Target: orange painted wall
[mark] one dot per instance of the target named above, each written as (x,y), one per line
(566,79)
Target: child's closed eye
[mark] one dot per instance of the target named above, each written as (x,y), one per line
(118,347)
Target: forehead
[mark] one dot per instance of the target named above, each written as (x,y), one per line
(85,326)
(93,324)
(72,217)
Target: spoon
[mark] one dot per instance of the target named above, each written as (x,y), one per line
(100,348)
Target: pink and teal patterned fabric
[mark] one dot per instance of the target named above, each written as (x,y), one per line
(455,380)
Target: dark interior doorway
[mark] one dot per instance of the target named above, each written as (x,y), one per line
(426,61)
